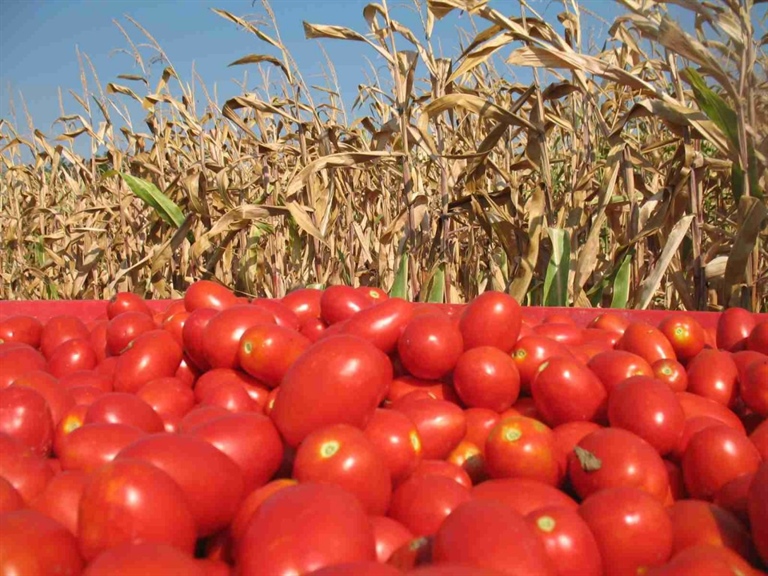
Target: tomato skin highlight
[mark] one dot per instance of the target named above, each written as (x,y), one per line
(520,447)
(486,377)
(430,346)
(491,319)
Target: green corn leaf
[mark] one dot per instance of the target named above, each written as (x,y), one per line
(621,283)
(714,107)
(437,288)
(556,280)
(400,287)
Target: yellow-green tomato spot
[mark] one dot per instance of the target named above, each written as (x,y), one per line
(248,347)
(329,448)
(546,523)
(679,331)
(512,434)
(415,441)
(521,354)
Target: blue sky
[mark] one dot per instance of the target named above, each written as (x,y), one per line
(39,39)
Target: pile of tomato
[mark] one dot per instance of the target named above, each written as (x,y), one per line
(343,432)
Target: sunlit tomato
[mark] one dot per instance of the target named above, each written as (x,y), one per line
(381,324)
(17,359)
(151,355)
(631,527)
(647,341)
(486,377)
(568,541)
(25,416)
(86,378)
(211,481)
(304,528)
(35,545)
(198,415)
(175,325)
(615,366)
(441,425)
(695,405)
(284,316)
(61,498)
(684,333)
(522,494)
(567,436)
(715,456)
(713,374)
(123,408)
(564,332)
(482,534)
(145,558)
(733,496)
(565,390)
(98,339)
(395,437)
(390,535)
(430,346)
(58,330)
(150,507)
(10,499)
(754,387)
(647,407)
(375,294)
(21,328)
(491,319)
(524,406)
(122,329)
(123,302)
(672,373)
(520,447)
(530,352)
(700,522)
(758,338)
(341,379)
(733,328)
(249,506)
(480,422)
(610,321)
(72,356)
(421,503)
(192,336)
(222,333)
(470,458)
(313,329)
(403,385)
(304,303)
(208,294)
(705,559)
(339,302)
(612,457)
(341,454)
(757,508)
(169,397)
(266,351)
(89,446)
(28,473)
(59,399)
(442,468)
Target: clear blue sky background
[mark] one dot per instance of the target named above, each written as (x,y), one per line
(39,38)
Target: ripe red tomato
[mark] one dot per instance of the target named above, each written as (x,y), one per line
(338,303)
(403,385)
(470,459)
(304,528)
(72,356)
(192,336)
(208,294)
(565,390)
(16,360)
(615,366)
(397,440)
(491,319)
(700,522)
(314,329)
(632,529)
(713,374)
(421,503)
(304,303)
(221,335)
(520,447)
(567,436)
(692,426)
(267,351)
(284,316)
(369,568)
(530,352)
(89,446)
(341,454)
(123,302)
(169,397)
(256,498)
(175,325)
(58,330)
(442,468)
(145,558)
(151,355)
(341,379)
(733,328)
(123,408)
(441,425)
(705,559)
(715,456)
(522,494)
(757,508)
(754,387)
(647,341)
(25,416)
(758,338)
(568,541)
(695,405)
(57,396)
(564,332)
(211,481)
(390,535)
(122,329)
(672,373)
(647,407)
(28,473)
(381,324)
(61,498)
(430,346)
(486,377)
(612,457)
(684,333)
(610,321)
(33,544)
(10,499)
(21,328)
(733,496)
(480,422)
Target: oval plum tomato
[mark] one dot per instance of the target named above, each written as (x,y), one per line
(145,558)
(403,385)
(430,346)
(705,559)
(122,329)
(169,397)
(480,422)
(692,426)
(715,456)
(754,387)
(520,447)
(341,379)
(25,416)
(470,458)
(632,529)
(17,359)
(151,355)
(61,498)
(486,377)
(249,506)
(313,328)
(375,294)
(192,336)
(684,333)
(390,535)
(648,408)
(341,454)
(441,425)
(21,328)
(123,408)
(759,438)
(72,356)
(615,366)
(568,541)
(612,457)
(757,508)
(567,436)
(695,405)
(211,481)
(340,302)
(149,504)
(10,499)
(610,321)
(672,373)
(565,333)
(123,302)
(222,333)
(647,341)
(758,338)
(422,503)
(733,496)
(522,494)
(266,351)
(208,294)
(479,533)
(27,472)
(381,324)
(98,340)
(284,316)
(31,543)
(59,329)
(86,378)
(304,528)
(733,328)
(492,319)
(442,468)
(397,440)
(90,446)
(699,522)
(565,390)
(57,396)
(304,303)
(713,374)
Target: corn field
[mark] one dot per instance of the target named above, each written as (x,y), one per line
(630,176)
